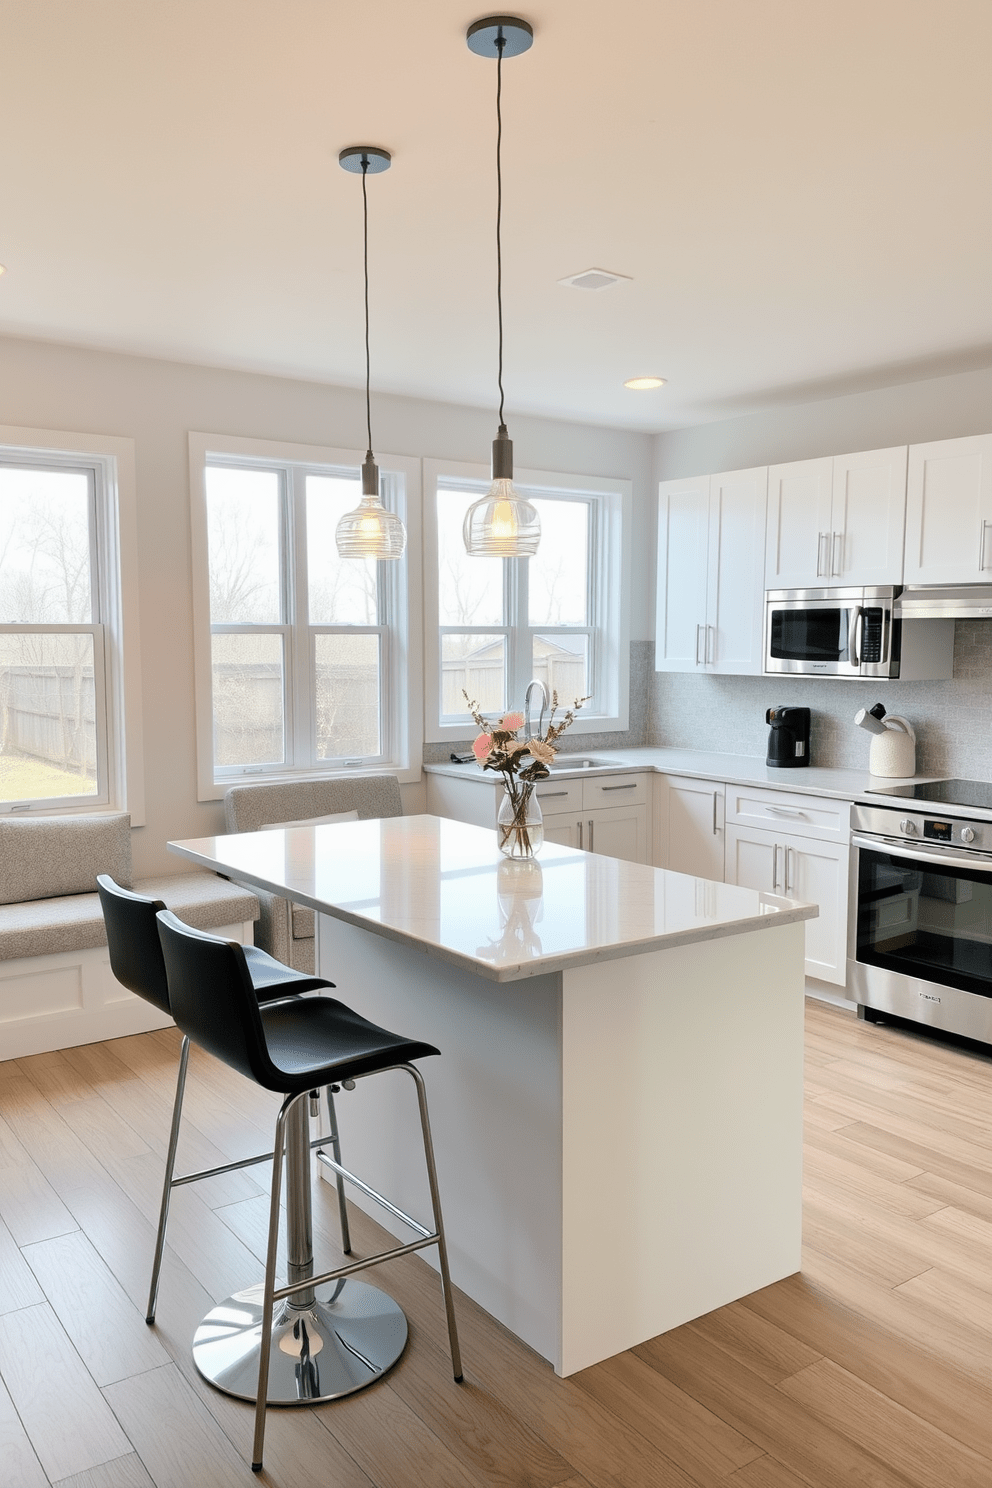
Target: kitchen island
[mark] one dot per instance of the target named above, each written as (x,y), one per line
(617,1108)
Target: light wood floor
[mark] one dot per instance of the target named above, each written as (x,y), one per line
(872,1368)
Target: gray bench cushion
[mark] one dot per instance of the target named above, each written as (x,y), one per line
(46,857)
(303,922)
(247,808)
(74,922)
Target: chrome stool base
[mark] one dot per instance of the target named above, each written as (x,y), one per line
(342,1342)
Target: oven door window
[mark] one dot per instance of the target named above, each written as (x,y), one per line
(810,635)
(925,920)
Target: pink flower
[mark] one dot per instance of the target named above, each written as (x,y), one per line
(482,748)
(511,722)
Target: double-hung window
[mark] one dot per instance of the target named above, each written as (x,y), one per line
(559,617)
(62,707)
(308,652)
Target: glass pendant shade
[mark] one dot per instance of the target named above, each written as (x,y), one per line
(370,531)
(502,524)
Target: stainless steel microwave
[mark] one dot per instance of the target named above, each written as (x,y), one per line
(855,633)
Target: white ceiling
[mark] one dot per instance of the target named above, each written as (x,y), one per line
(801,192)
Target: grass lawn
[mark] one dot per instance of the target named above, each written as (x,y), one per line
(30,780)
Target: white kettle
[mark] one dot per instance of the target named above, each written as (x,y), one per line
(893,746)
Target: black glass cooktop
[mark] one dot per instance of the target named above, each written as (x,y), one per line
(976,793)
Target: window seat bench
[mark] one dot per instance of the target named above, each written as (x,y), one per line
(56,986)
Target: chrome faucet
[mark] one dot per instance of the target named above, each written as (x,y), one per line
(545,700)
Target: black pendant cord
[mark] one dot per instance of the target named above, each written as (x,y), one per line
(500,44)
(368,359)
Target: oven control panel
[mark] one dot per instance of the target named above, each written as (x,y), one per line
(959,832)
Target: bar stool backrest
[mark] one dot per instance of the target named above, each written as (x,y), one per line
(213,1000)
(132,937)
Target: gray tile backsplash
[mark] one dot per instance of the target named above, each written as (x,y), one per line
(952,719)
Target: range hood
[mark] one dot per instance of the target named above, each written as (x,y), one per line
(945,602)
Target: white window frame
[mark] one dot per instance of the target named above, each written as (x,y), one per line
(117,634)
(401,655)
(610,569)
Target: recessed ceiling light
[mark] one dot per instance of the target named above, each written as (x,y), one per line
(594,279)
(3,268)
(643,384)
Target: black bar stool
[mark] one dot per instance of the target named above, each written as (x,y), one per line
(136,961)
(322,1347)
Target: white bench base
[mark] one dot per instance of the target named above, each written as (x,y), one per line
(72,998)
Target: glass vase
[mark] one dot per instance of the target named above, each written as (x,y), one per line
(519,823)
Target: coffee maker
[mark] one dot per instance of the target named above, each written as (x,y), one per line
(788,737)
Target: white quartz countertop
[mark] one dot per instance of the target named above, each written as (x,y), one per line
(443,888)
(735,769)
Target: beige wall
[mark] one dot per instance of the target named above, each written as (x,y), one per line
(155,403)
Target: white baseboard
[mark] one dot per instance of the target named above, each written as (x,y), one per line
(72,998)
(824,992)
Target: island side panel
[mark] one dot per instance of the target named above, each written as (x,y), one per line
(495,1104)
(682,1136)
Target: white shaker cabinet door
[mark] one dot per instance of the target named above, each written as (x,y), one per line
(817,872)
(800,868)
(694,825)
(755,860)
(618,832)
(562,829)
(797,535)
(868,517)
(949,512)
(735,587)
(683,537)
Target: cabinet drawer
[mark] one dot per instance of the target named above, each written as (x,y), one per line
(560,795)
(788,811)
(613,790)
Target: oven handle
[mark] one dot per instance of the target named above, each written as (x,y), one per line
(947,857)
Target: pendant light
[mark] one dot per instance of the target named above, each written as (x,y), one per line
(502,524)
(370,531)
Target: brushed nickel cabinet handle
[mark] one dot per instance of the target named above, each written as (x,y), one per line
(631,786)
(591,824)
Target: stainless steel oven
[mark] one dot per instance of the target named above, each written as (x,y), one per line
(922,938)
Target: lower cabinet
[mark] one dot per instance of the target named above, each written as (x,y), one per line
(607,814)
(799,868)
(691,823)
(616,832)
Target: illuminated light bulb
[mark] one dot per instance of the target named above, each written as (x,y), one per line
(503,524)
(644,384)
(370,531)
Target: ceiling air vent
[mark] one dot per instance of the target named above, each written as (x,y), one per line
(594,279)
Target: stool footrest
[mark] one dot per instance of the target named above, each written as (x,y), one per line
(342,1271)
(349,1177)
(233,1167)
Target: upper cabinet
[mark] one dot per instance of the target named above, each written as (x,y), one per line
(836,521)
(949,512)
(710,573)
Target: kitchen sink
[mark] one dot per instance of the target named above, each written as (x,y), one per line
(580,762)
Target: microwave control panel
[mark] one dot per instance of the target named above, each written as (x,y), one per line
(871,634)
